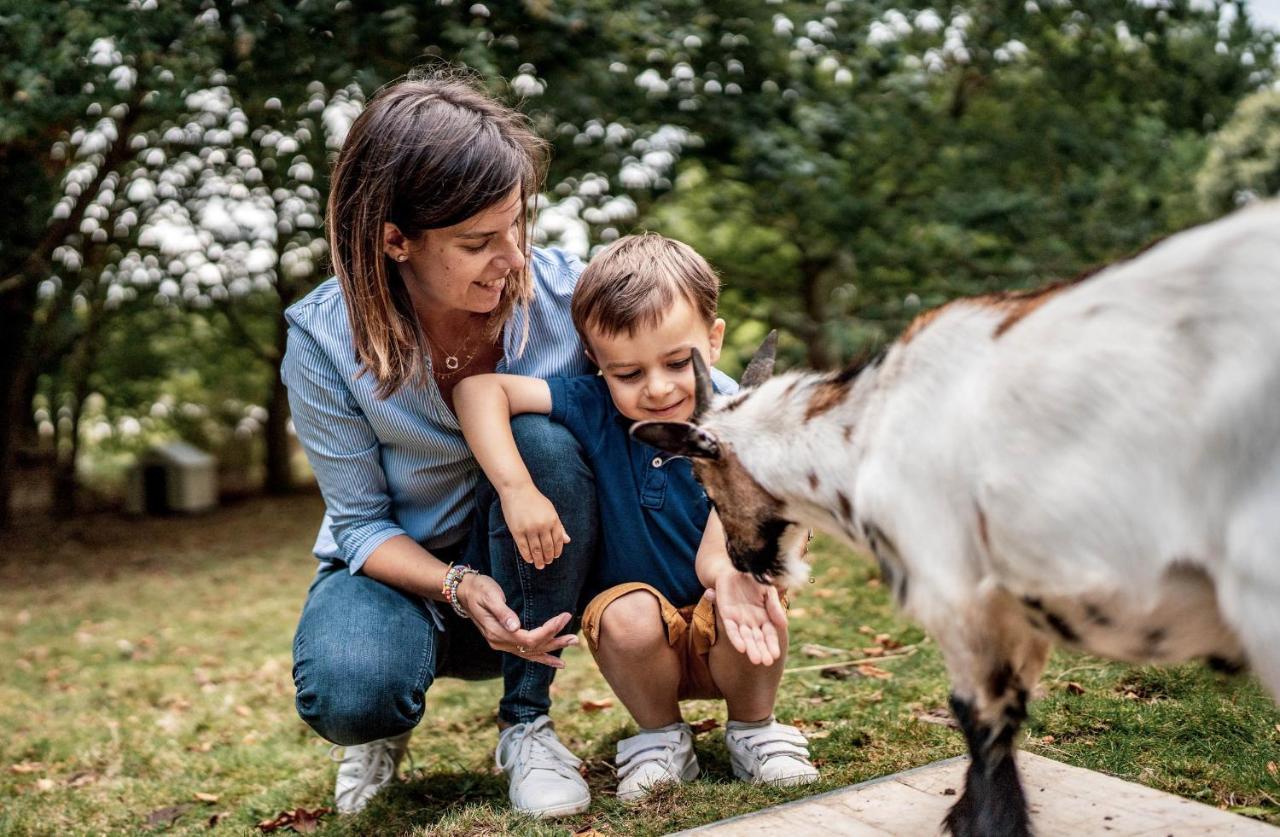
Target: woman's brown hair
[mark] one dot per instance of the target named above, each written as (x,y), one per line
(428,151)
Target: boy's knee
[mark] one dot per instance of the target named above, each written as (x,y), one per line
(552,454)
(632,624)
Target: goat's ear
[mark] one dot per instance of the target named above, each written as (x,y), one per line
(760,369)
(678,437)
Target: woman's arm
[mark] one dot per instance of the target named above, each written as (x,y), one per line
(345,455)
(485,405)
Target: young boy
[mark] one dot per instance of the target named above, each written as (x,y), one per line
(664,591)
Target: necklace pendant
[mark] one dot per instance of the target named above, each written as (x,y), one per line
(450,363)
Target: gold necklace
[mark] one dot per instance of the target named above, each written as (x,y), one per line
(451,362)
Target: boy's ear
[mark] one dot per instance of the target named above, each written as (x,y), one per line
(678,437)
(717,340)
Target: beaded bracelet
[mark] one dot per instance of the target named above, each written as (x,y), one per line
(452,579)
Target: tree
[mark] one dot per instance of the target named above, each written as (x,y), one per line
(1244,160)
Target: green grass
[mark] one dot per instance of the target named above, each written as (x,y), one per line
(148,661)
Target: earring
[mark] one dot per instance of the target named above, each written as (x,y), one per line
(403,257)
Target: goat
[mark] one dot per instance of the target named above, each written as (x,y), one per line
(1095,464)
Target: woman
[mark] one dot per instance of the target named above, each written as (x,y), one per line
(427,226)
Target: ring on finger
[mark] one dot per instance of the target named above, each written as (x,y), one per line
(521,649)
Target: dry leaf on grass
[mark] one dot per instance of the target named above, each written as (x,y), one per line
(940,717)
(821,652)
(874,672)
(873,651)
(84,777)
(214,819)
(26,767)
(705,725)
(166,815)
(588,832)
(596,705)
(206,797)
(1073,688)
(1271,768)
(44,785)
(887,641)
(299,819)
(866,629)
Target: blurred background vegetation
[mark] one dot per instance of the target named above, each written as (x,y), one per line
(844,164)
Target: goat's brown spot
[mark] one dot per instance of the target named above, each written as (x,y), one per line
(921,322)
(846,508)
(826,395)
(813,481)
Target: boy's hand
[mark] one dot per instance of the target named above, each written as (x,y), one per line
(752,614)
(534,524)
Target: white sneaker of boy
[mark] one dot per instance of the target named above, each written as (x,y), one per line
(654,756)
(544,776)
(366,769)
(769,752)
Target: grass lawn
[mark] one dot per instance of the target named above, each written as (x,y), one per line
(147,662)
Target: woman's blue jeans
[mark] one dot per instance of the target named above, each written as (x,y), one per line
(366,653)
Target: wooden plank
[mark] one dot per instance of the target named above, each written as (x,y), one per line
(1064,800)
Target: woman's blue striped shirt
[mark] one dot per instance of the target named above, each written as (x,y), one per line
(400,466)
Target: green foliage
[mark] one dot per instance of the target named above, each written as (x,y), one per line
(1244,160)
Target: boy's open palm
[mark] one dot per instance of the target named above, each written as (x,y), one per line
(752,614)
(534,525)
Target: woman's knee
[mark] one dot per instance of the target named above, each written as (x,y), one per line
(353,701)
(554,457)
(632,624)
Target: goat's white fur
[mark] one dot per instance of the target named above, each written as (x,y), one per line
(1122,442)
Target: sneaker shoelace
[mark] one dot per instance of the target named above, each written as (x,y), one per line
(376,760)
(534,746)
(646,748)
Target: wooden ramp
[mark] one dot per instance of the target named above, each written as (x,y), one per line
(1064,801)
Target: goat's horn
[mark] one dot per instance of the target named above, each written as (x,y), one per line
(760,369)
(702,386)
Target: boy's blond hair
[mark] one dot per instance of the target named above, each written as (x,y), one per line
(633,282)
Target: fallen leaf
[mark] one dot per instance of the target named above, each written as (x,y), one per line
(887,641)
(244,712)
(206,797)
(596,705)
(45,784)
(940,717)
(840,673)
(26,767)
(705,725)
(214,819)
(79,780)
(874,697)
(1048,739)
(166,815)
(873,651)
(810,649)
(588,832)
(873,671)
(299,819)
(1271,768)
(866,629)
(1074,688)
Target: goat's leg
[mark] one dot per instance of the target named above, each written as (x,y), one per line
(993,661)
(1249,587)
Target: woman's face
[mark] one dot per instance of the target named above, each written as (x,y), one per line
(463,267)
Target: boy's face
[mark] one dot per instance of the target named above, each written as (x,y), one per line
(650,374)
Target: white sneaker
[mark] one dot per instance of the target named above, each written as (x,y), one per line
(654,756)
(365,770)
(544,776)
(770,753)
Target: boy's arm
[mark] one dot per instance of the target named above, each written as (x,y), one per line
(485,405)
(751,611)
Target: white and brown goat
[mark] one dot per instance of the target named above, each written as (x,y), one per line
(1096,464)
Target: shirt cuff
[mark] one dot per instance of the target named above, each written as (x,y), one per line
(559,401)
(360,543)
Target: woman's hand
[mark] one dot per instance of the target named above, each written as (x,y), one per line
(482,598)
(534,525)
(752,614)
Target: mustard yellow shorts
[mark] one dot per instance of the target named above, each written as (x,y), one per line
(691,631)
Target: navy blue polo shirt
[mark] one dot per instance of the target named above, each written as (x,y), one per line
(652,510)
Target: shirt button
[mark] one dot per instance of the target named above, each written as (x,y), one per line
(657,462)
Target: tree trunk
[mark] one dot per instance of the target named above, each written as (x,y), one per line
(17,312)
(816,304)
(66,482)
(279,478)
